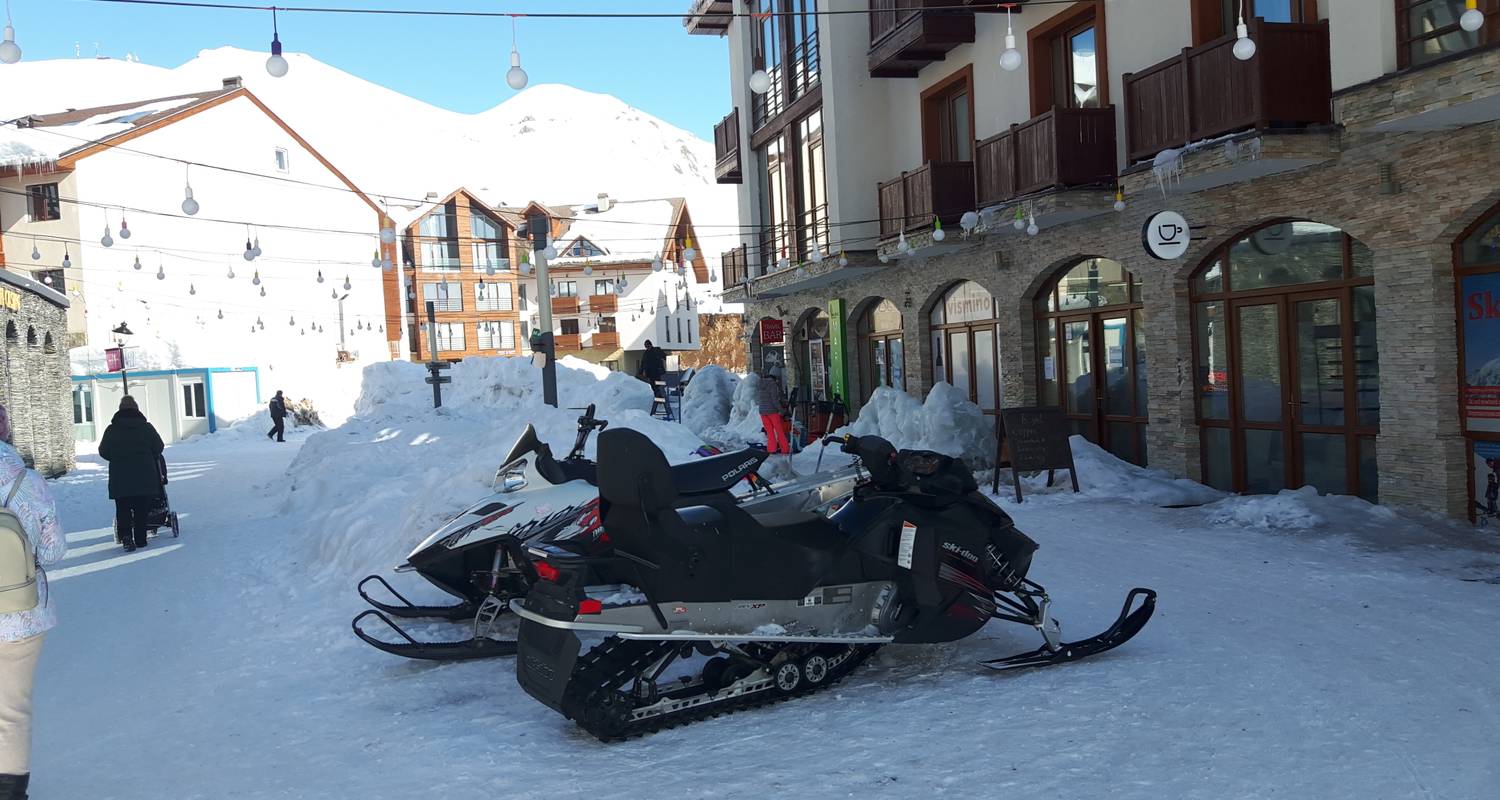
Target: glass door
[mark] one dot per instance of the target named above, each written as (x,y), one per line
(1260,395)
(1077,375)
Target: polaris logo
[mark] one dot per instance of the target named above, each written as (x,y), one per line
(954,548)
(737,470)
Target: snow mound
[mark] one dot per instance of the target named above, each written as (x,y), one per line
(946,423)
(1101,474)
(708,400)
(742,424)
(1293,510)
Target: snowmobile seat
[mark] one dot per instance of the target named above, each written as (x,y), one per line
(807,528)
(716,474)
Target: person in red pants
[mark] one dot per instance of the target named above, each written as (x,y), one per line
(771,400)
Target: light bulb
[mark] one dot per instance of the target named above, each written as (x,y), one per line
(47,280)
(760,81)
(1472,20)
(107,240)
(255,281)
(36,255)
(587,270)
(221,313)
(1244,48)
(516,77)
(784,263)
(549,252)
(161,273)
(256,248)
(388,235)
(386,265)
(885,259)
(347,284)
(262,291)
(656,265)
(1010,60)
(67,260)
(843,259)
(334,293)
(901,243)
(231,272)
(124,229)
(969,221)
(1119,199)
(249,251)
(801,271)
(1032,229)
(302,332)
(320,276)
(1019,223)
(291,321)
(276,64)
(375,260)
(10,52)
(189,205)
(938,235)
(192,289)
(817,256)
(690,253)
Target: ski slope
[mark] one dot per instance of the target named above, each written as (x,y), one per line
(1303,647)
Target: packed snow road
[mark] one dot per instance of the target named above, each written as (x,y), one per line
(1354,659)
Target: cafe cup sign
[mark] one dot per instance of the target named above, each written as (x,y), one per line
(1166,235)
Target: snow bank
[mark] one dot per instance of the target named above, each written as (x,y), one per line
(1101,474)
(1294,510)
(741,425)
(708,399)
(946,423)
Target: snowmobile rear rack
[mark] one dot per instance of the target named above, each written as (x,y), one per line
(467,650)
(1126,626)
(409,610)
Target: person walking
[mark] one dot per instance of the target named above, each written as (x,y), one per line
(25,494)
(771,402)
(653,369)
(131,446)
(278,417)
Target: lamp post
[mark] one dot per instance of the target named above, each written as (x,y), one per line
(537,230)
(342,346)
(122,332)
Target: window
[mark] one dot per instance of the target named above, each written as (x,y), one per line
(282,163)
(567,288)
(497,335)
(784,43)
(606,324)
(53,279)
(487,246)
(450,336)
(440,239)
(948,118)
(492,297)
(1215,18)
(1068,65)
(812,196)
(794,200)
(83,404)
(679,330)
(524,306)
(604,287)
(583,248)
(43,202)
(443,296)
(1427,30)
(193,402)
(569,327)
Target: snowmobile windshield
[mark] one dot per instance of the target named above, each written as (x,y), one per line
(524,446)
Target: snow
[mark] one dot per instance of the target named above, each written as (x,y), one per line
(708,399)
(1295,510)
(946,422)
(1102,475)
(630,231)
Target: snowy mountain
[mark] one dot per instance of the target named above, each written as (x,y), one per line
(1487,375)
(550,142)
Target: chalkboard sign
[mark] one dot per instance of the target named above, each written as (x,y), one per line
(1033,439)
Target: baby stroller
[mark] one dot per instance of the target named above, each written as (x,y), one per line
(161,514)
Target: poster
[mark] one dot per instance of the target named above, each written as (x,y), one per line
(817,368)
(1487,483)
(1480,312)
(837,372)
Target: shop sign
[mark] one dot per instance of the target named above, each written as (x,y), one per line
(772,331)
(114,359)
(1166,235)
(837,372)
(10,298)
(968,302)
(818,369)
(1480,311)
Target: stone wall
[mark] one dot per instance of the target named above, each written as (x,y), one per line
(34,383)
(722,339)
(1409,234)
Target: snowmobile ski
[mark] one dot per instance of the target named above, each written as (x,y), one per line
(471,649)
(409,610)
(1125,627)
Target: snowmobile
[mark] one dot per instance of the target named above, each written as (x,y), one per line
(479,555)
(724,609)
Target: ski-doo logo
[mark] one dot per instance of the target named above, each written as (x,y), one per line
(737,470)
(956,549)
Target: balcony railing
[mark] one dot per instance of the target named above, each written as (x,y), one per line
(1207,92)
(603,303)
(567,341)
(1062,148)
(727,149)
(605,339)
(906,35)
(736,266)
(937,189)
(565,305)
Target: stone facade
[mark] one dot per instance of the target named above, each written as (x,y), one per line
(34,384)
(723,343)
(1443,182)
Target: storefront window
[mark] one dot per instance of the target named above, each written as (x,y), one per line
(1478,268)
(966,344)
(880,335)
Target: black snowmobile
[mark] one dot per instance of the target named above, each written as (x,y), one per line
(727,609)
(479,556)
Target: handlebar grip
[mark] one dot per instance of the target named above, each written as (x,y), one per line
(602,424)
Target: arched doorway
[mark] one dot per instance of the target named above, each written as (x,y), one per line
(1476,259)
(883,350)
(966,343)
(1090,324)
(1286,363)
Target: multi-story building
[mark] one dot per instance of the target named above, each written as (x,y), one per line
(978,197)
(622,275)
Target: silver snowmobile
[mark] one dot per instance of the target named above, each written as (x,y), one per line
(479,556)
(723,608)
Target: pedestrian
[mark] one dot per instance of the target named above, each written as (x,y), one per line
(278,417)
(132,446)
(21,631)
(653,369)
(771,402)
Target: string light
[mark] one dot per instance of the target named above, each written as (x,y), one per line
(902,245)
(1471,21)
(1019,223)
(10,52)
(515,77)
(347,284)
(276,65)
(1031,226)
(1119,198)
(1010,60)
(262,291)
(969,221)
(255,281)
(161,272)
(124,228)
(189,204)
(1244,46)
(937,230)
(320,276)
(107,240)
(192,289)
(67,258)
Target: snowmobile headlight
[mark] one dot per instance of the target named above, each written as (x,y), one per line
(512,476)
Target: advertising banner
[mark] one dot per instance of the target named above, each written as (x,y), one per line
(838,377)
(114,359)
(1480,315)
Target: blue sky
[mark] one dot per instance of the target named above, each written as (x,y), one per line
(456,63)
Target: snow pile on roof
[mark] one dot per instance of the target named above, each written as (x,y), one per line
(26,147)
(946,423)
(631,230)
(1294,510)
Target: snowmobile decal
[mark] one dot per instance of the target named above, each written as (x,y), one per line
(908,544)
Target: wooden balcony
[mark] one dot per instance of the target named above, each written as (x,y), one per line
(709,17)
(565,305)
(1206,92)
(567,341)
(605,339)
(1062,148)
(603,303)
(937,189)
(727,149)
(907,35)
(735,265)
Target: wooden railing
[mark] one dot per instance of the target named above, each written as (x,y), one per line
(937,189)
(1061,148)
(888,15)
(565,305)
(603,303)
(567,341)
(1206,92)
(736,266)
(605,339)
(727,148)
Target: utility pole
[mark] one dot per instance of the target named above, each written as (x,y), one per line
(435,367)
(538,231)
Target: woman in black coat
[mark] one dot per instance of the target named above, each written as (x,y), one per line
(131,446)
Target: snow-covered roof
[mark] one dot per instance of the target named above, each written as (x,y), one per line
(41,139)
(630,231)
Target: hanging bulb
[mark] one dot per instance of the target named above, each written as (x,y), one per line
(36,255)
(231,272)
(107,240)
(387,234)
(221,313)
(690,252)
(262,291)
(302,332)
(386,265)
(1244,46)
(901,244)
(1471,21)
(276,65)
(252,329)
(256,248)
(623,283)
(801,271)
(1010,60)
(885,259)
(161,272)
(713,276)
(124,229)
(1020,220)
(375,260)
(656,265)
(588,269)
(937,230)
(67,258)
(489,269)
(137,264)
(320,276)
(10,52)
(516,77)
(189,205)
(192,289)
(359,325)
(843,259)
(334,293)
(969,221)
(817,256)
(549,252)
(760,81)
(1119,199)
(259,324)
(47,279)
(1031,227)
(291,321)
(255,281)
(347,284)
(249,251)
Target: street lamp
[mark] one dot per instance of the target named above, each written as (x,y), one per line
(342,346)
(122,332)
